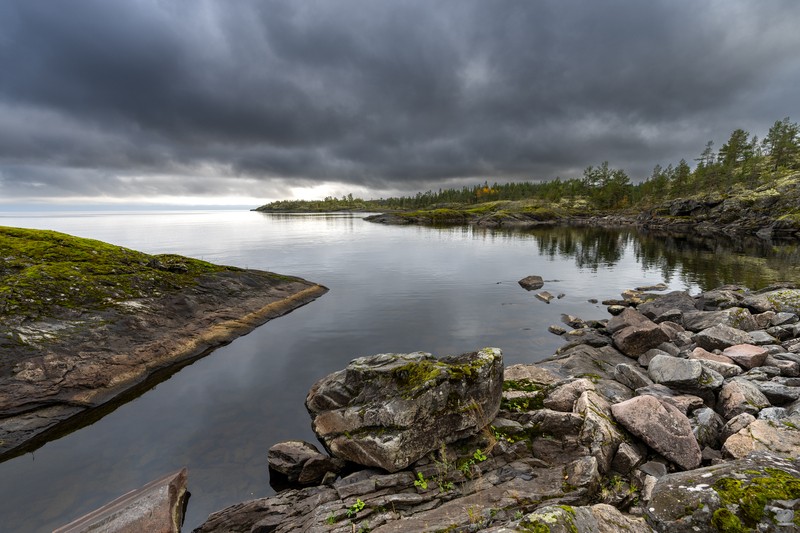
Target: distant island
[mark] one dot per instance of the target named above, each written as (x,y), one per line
(747,186)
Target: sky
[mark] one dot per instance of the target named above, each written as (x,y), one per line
(244,102)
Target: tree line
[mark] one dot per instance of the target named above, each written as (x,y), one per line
(743,159)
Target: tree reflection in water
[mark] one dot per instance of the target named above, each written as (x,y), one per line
(705,261)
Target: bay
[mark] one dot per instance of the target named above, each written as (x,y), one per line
(392,289)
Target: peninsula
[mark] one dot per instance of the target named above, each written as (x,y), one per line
(87,325)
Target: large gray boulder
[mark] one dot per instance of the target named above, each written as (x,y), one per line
(389,410)
(636,339)
(735,317)
(662,427)
(720,337)
(302,463)
(683,374)
(759,493)
(673,300)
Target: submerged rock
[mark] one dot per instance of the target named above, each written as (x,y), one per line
(389,410)
(531,283)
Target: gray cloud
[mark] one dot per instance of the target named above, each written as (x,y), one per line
(251,98)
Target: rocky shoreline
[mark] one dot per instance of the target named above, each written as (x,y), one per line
(767,211)
(679,413)
(63,372)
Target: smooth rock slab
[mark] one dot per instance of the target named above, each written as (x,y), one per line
(389,410)
(759,493)
(157,507)
(662,427)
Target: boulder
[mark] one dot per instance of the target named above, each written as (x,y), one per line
(545,296)
(719,299)
(786,367)
(718,363)
(600,434)
(301,462)
(735,317)
(531,283)
(677,335)
(680,300)
(662,427)
(635,340)
(631,377)
(735,425)
(783,319)
(784,300)
(757,493)
(627,458)
(628,317)
(720,337)
(684,402)
(780,438)
(707,427)
(563,397)
(746,355)
(738,396)
(683,374)
(762,338)
(778,393)
(389,410)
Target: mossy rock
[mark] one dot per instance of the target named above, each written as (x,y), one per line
(46,272)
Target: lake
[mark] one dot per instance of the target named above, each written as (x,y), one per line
(392,289)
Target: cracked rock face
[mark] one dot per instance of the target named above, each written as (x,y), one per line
(389,410)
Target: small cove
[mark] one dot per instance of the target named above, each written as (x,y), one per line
(393,289)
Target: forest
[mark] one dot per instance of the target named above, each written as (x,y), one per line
(743,162)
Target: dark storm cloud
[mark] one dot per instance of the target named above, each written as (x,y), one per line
(210,98)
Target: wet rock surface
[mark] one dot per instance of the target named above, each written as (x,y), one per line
(678,437)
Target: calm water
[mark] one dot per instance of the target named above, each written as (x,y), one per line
(392,289)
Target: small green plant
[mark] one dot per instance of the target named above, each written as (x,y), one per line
(518,514)
(446,486)
(331,519)
(421,482)
(354,509)
(479,456)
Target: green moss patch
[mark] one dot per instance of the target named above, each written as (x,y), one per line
(751,497)
(43,272)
